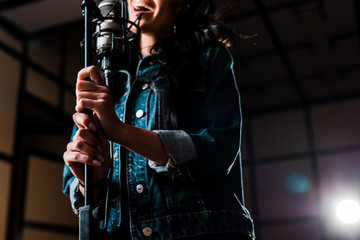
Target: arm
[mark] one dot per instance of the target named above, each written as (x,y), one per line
(83,148)
(214,146)
(95,95)
(87,149)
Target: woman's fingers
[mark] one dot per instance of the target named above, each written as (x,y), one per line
(74,157)
(92,73)
(99,106)
(83,120)
(84,152)
(84,135)
(101,94)
(100,134)
(88,149)
(89,86)
(96,97)
(85,148)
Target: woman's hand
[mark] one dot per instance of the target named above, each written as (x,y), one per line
(95,95)
(88,149)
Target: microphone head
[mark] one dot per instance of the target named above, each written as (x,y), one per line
(109,29)
(115,34)
(113,30)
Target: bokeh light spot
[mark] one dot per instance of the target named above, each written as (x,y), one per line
(297,182)
(348,211)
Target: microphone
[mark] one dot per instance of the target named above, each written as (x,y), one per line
(108,35)
(113,35)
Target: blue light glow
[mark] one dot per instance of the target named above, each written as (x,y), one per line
(297,183)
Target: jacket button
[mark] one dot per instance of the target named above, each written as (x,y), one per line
(145,86)
(147,232)
(140,113)
(139,188)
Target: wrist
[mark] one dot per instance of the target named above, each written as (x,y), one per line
(120,133)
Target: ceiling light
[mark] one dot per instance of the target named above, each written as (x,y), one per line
(348,211)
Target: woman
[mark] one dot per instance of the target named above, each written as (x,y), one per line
(176,122)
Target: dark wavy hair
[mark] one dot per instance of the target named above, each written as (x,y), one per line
(195,29)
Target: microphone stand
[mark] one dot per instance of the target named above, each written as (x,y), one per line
(87,223)
(88,230)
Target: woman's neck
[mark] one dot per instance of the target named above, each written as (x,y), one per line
(147,41)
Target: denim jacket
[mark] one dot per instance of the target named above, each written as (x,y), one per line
(200,189)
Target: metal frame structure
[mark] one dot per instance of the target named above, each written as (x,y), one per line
(21,152)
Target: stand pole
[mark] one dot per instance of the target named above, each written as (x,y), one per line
(87,226)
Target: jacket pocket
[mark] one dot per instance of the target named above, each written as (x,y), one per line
(181,199)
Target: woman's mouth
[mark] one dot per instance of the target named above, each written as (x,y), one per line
(140,7)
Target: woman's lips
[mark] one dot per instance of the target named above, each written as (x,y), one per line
(141,7)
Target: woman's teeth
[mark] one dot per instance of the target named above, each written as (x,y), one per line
(140,7)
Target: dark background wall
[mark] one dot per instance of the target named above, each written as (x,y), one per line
(297,64)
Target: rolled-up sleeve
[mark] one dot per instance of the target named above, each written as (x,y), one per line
(180,149)
(178,145)
(71,189)
(71,186)
(210,150)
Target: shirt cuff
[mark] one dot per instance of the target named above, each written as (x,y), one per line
(180,150)
(178,145)
(76,198)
